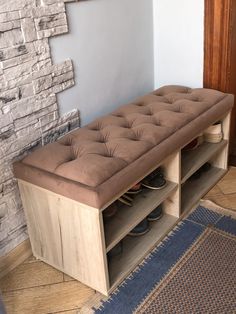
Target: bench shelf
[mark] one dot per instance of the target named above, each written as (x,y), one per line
(192,160)
(128,217)
(136,248)
(193,191)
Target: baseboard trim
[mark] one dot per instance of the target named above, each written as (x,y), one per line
(15,257)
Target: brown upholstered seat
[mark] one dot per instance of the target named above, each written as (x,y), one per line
(94,163)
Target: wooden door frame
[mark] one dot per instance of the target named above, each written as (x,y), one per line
(217,45)
(217,53)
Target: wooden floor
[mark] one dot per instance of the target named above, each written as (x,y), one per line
(34,287)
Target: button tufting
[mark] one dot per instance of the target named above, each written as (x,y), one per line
(70,159)
(107,156)
(119,115)
(94,129)
(135,139)
(67,143)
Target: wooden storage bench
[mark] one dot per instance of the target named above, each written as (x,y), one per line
(65,186)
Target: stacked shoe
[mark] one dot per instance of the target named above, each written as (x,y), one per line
(194,143)
(213,134)
(110,211)
(128,197)
(115,251)
(155,180)
(206,167)
(156,214)
(143,227)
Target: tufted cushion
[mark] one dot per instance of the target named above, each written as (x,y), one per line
(100,160)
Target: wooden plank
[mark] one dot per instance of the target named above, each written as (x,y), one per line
(29,275)
(76,311)
(194,159)
(228,184)
(221,161)
(172,166)
(136,248)
(15,258)
(217,44)
(128,217)
(66,235)
(192,191)
(172,170)
(47,299)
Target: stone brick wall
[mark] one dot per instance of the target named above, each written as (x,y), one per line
(29,83)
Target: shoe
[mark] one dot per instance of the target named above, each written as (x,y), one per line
(156,214)
(123,199)
(110,211)
(137,188)
(141,229)
(127,197)
(213,134)
(155,180)
(115,251)
(204,168)
(194,143)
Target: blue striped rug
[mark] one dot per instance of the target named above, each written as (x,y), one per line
(137,288)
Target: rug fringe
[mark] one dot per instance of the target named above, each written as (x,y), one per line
(95,302)
(217,208)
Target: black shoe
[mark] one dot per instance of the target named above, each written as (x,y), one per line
(123,199)
(110,211)
(140,229)
(155,180)
(115,251)
(137,188)
(204,168)
(155,214)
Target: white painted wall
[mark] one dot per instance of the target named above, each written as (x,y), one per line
(178,42)
(111,45)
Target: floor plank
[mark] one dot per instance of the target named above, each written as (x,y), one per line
(214,191)
(227,201)
(67,278)
(47,299)
(29,275)
(76,311)
(228,186)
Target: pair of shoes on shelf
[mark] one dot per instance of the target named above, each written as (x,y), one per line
(136,189)
(194,143)
(143,227)
(155,180)
(206,167)
(214,133)
(128,197)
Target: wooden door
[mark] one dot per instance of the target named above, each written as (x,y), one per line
(220,54)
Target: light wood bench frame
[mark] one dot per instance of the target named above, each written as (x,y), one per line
(72,237)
